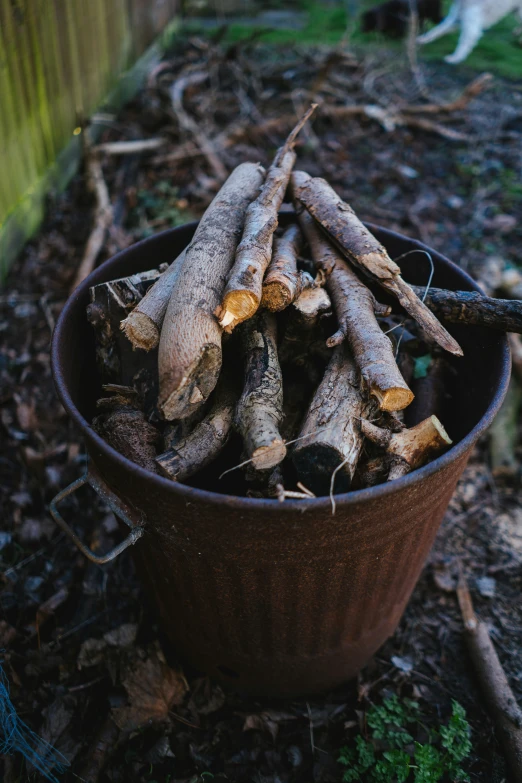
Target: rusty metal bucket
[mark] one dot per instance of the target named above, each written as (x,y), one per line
(278,598)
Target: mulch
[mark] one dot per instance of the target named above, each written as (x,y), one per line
(76,635)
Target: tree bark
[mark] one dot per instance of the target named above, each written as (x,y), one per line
(331,433)
(364,251)
(143,325)
(205,442)
(283,281)
(190,344)
(472,308)
(355,308)
(244,288)
(409,449)
(260,409)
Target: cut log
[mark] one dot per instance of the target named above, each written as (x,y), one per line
(260,409)
(190,344)
(283,281)
(116,360)
(127,430)
(506,714)
(409,449)
(355,308)
(143,325)
(474,309)
(244,288)
(363,250)
(331,433)
(206,441)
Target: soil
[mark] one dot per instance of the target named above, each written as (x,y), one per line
(74,633)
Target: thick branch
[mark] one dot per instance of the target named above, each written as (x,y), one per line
(207,440)
(190,342)
(244,288)
(364,251)
(355,308)
(331,433)
(143,325)
(283,281)
(260,409)
(501,700)
(472,308)
(409,449)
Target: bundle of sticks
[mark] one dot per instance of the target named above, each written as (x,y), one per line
(265,345)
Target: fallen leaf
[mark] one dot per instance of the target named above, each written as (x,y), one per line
(91,653)
(123,636)
(153,688)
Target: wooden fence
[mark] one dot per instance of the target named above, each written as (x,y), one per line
(58,61)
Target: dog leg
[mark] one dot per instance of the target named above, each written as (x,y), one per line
(472,27)
(444,27)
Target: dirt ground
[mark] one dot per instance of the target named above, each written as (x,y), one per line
(74,633)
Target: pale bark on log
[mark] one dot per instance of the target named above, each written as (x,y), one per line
(409,449)
(260,409)
(364,251)
(283,281)
(331,433)
(506,714)
(244,288)
(355,308)
(143,325)
(515,343)
(473,309)
(206,441)
(190,342)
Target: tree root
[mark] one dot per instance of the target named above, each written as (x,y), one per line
(205,442)
(331,434)
(190,344)
(143,325)
(260,409)
(365,252)
(408,449)
(244,288)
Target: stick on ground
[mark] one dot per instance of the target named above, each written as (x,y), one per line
(355,308)
(244,288)
(364,251)
(190,344)
(206,441)
(409,449)
(102,216)
(260,409)
(283,281)
(331,433)
(506,713)
(143,325)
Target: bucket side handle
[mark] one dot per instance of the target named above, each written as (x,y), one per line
(118,508)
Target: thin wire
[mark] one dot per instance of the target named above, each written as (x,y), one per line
(427,288)
(276,446)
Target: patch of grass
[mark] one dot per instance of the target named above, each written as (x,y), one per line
(497,51)
(391,755)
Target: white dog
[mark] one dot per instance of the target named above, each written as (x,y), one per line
(473,17)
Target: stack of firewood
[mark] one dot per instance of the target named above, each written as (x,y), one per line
(232,338)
